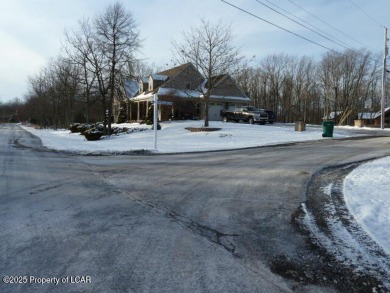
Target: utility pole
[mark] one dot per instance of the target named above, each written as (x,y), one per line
(384,82)
(155,119)
(335,104)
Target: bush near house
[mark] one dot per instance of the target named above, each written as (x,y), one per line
(93,134)
(90,131)
(96,131)
(80,127)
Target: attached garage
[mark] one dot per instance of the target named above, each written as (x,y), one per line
(214,112)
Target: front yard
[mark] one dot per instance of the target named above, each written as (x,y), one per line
(174,138)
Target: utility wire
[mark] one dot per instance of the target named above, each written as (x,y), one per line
(324,22)
(368,15)
(286,30)
(282,28)
(297,22)
(309,24)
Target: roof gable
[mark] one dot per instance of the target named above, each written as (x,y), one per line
(225,85)
(185,77)
(175,70)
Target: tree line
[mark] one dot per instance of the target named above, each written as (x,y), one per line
(81,84)
(301,88)
(84,81)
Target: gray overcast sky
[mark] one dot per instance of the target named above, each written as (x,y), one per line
(31,31)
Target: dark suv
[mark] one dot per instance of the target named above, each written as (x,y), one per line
(271,115)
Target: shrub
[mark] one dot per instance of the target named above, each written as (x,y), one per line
(74,127)
(83,127)
(79,127)
(158,126)
(93,134)
(99,126)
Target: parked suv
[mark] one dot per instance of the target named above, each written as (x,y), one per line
(271,116)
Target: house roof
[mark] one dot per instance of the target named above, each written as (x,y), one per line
(217,78)
(366,115)
(169,87)
(159,77)
(186,94)
(379,113)
(175,70)
(131,87)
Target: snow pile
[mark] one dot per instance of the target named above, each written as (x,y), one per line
(333,228)
(174,138)
(340,243)
(366,191)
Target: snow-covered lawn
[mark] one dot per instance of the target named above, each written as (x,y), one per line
(367,194)
(174,138)
(366,188)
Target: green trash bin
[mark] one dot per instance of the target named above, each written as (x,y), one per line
(327,128)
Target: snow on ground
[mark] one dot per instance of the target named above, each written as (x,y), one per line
(366,191)
(174,138)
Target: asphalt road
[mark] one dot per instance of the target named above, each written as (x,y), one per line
(206,222)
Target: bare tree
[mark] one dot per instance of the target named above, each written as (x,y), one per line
(104,48)
(273,70)
(137,69)
(250,81)
(299,88)
(209,47)
(53,91)
(346,81)
(285,84)
(80,49)
(10,111)
(117,39)
(306,97)
(67,89)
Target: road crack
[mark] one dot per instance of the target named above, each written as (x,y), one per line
(210,234)
(43,188)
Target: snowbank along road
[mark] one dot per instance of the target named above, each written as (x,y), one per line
(206,222)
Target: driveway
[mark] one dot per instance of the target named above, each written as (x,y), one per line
(205,222)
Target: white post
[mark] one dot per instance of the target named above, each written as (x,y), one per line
(155,119)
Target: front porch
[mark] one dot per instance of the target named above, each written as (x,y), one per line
(140,110)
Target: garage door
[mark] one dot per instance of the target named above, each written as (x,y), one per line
(214,111)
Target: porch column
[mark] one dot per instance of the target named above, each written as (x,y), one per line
(129,116)
(138,111)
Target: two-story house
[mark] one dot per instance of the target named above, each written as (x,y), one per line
(180,93)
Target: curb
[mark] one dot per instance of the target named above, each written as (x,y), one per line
(353,261)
